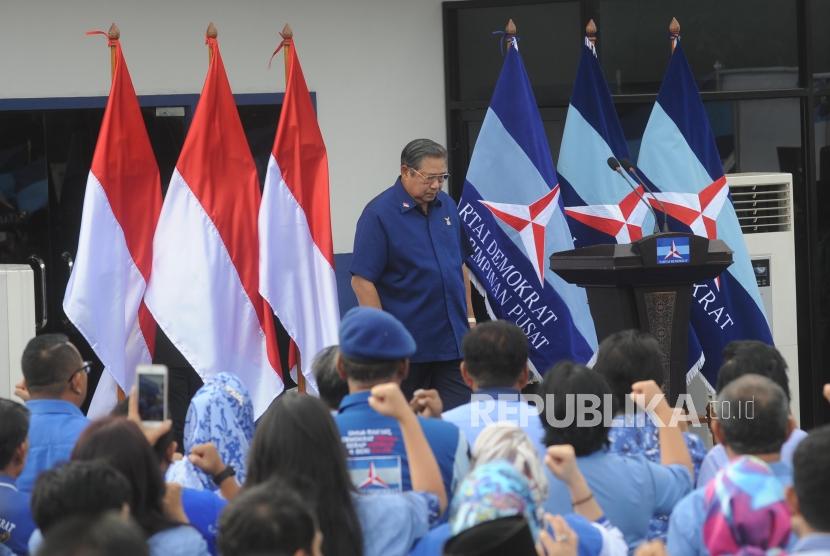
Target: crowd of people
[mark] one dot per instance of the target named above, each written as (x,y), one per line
(363,470)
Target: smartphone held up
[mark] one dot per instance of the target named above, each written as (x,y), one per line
(152,393)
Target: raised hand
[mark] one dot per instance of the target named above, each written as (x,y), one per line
(21,391)
(151,432)
(206,457)
(561,460)
(426,403)
(648,395)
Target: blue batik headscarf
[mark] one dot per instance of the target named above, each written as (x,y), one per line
(492,490)
(221,412)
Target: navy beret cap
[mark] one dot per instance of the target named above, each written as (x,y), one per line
(369,333)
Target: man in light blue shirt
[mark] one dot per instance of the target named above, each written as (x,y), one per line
(56,379)
(740,358)
(716,459)
(807,497)
(495,368)
(752,418)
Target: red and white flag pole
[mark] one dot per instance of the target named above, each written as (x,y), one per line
(104,296)
(296,250)
(204,291)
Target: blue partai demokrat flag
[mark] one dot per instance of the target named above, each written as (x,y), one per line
(600,207)
(678,155)
(511,208)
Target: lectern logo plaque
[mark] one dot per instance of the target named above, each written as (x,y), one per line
(673,250)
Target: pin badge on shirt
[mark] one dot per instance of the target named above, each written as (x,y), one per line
(447,220)
(405,205)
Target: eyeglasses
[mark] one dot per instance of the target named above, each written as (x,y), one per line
(435,178)
(86,367)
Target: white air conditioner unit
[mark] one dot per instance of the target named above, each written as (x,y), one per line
(17,322)
(764,205)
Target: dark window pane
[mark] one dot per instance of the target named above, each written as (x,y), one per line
(820,47)
(549,39)
(166,129)
(260,124)
(821,124)
(768,135)
(821,120)
(734,45)
(24,189)
(70,144)
(822,294)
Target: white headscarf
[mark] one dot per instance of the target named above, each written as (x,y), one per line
(503,441)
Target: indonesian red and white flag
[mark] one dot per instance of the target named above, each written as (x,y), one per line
(296,256)
(204,291)
(122,202)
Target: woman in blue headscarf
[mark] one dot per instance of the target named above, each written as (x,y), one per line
(508,478)
(221,412)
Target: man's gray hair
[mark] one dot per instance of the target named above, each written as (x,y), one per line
(325,361)
(753,413)
(415,151)
(330,385)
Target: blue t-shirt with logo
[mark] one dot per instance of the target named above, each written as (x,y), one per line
(376,453)
(16,524)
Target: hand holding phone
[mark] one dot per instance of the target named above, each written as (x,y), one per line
(152,393)
(153,430)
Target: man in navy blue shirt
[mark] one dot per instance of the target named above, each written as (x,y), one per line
(374,349)
(16,523)
(409,250)
(56,379)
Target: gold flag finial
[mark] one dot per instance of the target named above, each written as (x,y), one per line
(211,32)
(114,32)
(591,32)
(286,32)
(674,32)
(674,27)
(510,28)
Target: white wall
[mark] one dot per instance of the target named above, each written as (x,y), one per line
(377,67)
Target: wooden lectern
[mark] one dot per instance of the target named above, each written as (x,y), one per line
(646,285)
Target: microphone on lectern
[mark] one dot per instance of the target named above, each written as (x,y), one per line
(615,165)
(633,169)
